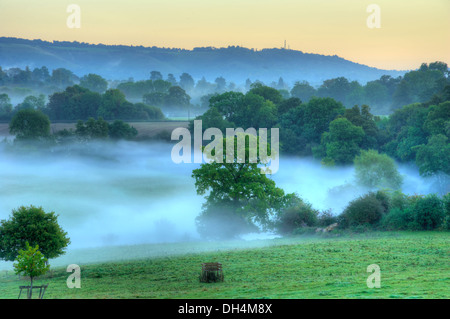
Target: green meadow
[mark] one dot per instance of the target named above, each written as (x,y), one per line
(412,264)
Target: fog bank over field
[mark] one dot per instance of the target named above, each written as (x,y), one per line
(127,193)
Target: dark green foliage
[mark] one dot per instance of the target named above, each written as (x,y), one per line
(29,124)
(342,142)
(92,129)
(79,103)
(303,91)
(365,210)
(238,191)
(326,218)
(398,219)
(121,130)
(267,93)
(35,226)
(94,83)
(429,212)
(296,214)
(446,202)
(434,157)
(75,103)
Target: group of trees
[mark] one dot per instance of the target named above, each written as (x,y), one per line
(33,126)
(241,199)
(383,95)
(79,103)
(38,77)
(30,237)
(325,129)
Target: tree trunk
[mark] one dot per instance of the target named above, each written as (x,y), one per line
(30,295)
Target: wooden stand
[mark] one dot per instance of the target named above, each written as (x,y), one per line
(211,272)
(42,290)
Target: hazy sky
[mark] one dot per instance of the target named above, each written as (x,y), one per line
(411,32)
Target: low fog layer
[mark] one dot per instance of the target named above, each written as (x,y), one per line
(131,193)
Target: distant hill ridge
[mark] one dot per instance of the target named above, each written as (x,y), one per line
(234,63)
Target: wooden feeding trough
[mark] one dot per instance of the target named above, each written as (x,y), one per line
(211,272)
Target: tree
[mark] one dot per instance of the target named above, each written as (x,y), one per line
(32,263)
(433,158)
(92,129)
(74,103)
(30,124)
(121,130)
(5,105)
(155,75)
(240,188)
(177,97)
(186,82)
(94,83)
(112,104)
(303,90)
(35,226)
(32,102)
(63,78)
(376,170)
(343,141)
(362,117)
(266,92)
(171,79)
(220,84)
(337,89)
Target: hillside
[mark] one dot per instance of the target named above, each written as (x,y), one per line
(234,63)
(412,265)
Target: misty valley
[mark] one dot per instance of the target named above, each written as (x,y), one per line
(130,193)
(163,186)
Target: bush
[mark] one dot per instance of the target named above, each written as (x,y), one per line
(429,212)
(446,202)
(297,214)
(365,210)
(121,130)
(326,218)
(398,219)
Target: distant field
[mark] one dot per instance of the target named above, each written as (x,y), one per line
(413,265)
(145,129)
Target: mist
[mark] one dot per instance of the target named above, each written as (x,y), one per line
(130,193)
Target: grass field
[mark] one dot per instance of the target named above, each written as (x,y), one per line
(413,265)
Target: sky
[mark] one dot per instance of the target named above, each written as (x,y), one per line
(410,31)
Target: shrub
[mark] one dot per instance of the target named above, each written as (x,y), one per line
(429,212)
(365,210)
(326,218)
(297,214)
(446,202)
(398,219)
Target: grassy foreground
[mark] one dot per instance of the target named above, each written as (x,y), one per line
(413,265)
